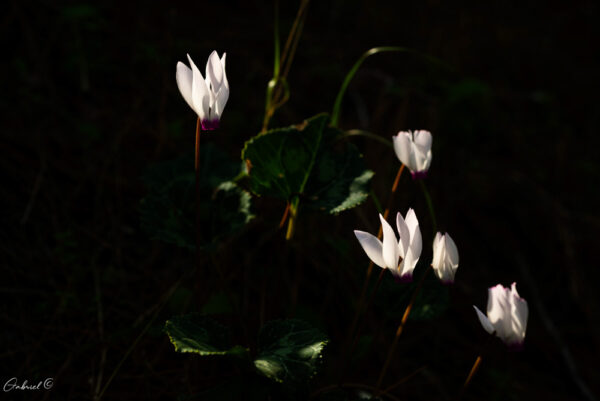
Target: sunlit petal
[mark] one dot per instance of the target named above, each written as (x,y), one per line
(214,72)
(184,79)
(402,147)
(485,322)
(200,97)
(390,246)
(372,247)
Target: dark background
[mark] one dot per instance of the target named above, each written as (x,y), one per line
(90,101)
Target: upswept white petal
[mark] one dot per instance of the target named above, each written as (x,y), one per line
(439,252)
(225,82)
(414,251)
(519,314)
(200,97)
(372,247)
(184,78)
(402,147)
(410,243)
(485,322)
(423,140)
(214,72)
(221,101)
(403,231)
(416,242)
(451,251)
(390,246)
(223,95)
(422,148)
(498,308)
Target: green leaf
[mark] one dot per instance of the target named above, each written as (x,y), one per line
(289,351)
(168,212)
(201,335)
(308,161)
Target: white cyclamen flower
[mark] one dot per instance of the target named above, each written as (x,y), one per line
(400,256)
(207,97)
(445,257)
(414,151)
(507,315)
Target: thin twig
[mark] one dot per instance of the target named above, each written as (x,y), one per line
(100,332)
(161,304)
(34,192)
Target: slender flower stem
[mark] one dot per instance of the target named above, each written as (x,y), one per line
(475,366)
(354,339)
(363,292)
(401,329)
(403,380)
(277,89)
(286,212)
(386,213)
(337,106)
(197,169)
(335,114)
(293,212)
(472,372)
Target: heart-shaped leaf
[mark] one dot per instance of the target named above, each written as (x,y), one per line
(201,335)
(310,162)
(289,351)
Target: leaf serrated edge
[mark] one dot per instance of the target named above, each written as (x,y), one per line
(202,353)
(363,195)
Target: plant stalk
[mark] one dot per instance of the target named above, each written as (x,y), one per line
(401,328)
(197,170)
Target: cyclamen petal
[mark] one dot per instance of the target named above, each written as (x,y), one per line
(445,258)
(414,151)
(485,322)
(400,256)
(184,78)
(390,246)
(207,96)
(507,312)
(372,247)
(410,243)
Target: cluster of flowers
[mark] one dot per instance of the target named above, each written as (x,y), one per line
(507,312)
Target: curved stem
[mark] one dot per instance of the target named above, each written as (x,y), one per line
(370,135)
(401,329)
(335,114)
